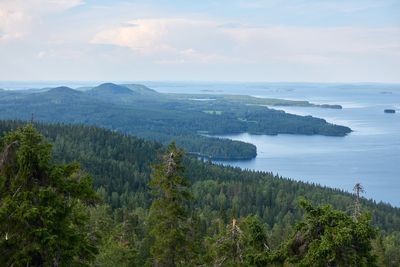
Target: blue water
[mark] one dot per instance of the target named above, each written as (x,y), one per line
(370,155)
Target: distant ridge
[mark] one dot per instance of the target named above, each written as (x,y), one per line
(141,89)
(62,90)
(110,89)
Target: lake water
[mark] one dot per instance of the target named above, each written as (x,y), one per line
(369,155)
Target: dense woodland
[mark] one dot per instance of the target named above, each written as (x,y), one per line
(138,110)
(155,206)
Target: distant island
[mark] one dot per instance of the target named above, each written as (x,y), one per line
(251,100)
(392,111)
(190,119)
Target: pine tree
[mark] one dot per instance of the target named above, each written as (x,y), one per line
(168,213)
(42,206)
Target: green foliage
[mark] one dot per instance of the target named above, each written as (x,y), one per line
(168,213)
(117,239)
(256,244)
(241,243)
(328,237)
(42,206)
(120,228)
(167,117)
(121,164)
(391,245)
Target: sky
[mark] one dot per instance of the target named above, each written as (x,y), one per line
(200,40)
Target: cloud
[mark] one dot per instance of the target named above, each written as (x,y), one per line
(18,17)
(145,37)
(317,42)
(177,40)
(41,54)
(231,25)
(168,40)
(267,39)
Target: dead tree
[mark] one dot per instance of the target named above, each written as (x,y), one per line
(232,237)
(358,188)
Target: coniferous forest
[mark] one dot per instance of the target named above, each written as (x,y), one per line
(141,111)
(75,195)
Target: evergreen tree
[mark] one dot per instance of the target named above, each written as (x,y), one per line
(241,243)
(120,165)
(257,250)
(227,250)
(328,237)
(391,245)
(169,226)
(42,206)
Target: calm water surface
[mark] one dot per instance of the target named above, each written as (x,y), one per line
(370,154)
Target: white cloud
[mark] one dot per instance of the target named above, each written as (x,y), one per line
(131,38)
(144,37)
(18,17)
(205,41)
(41,54)
(170,40)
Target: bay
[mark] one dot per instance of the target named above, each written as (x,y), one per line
(369,155)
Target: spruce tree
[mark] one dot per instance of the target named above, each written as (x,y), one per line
(169,218)
(329,237)
(42,206)
(242,243)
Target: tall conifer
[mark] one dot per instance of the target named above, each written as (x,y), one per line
(168,213)
(42,206)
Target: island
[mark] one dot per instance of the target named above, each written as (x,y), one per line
(391,111)
(192,120)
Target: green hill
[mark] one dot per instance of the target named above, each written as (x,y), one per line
(110,89)
(138,110)
(121,163)
(266,206)
(141,89)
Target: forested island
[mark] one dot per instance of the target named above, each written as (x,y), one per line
(191,120)
(51,215)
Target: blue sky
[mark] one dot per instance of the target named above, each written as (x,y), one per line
(207,40)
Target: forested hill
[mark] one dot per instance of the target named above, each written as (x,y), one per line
(121,167)
(190,120)
(222,216)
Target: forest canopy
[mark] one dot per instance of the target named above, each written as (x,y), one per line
(138,110)
(226,216)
